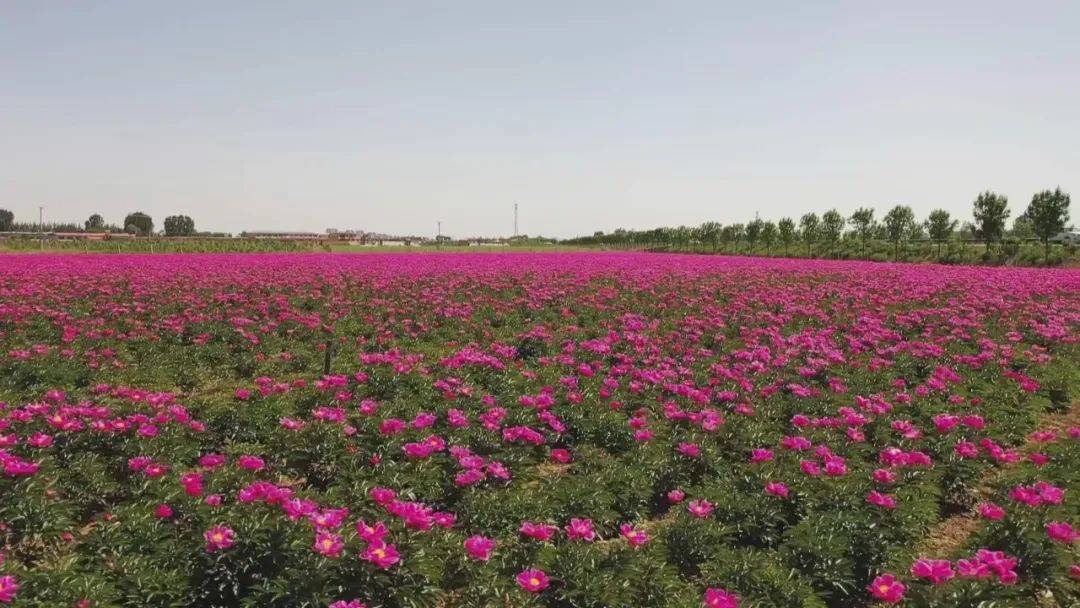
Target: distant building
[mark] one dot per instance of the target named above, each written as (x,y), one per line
(285,236)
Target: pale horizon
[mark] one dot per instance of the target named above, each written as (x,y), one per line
(389,117)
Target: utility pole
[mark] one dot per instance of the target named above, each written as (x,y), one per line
(515,219)
(438,234)
(41,225)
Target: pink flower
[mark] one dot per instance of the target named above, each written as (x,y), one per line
(219,537)
(542,532)
(991,511)
(692,450)
(383,496)
(328,544)
(881,500)
(561,455)
(533,580)
(9,588)
(700,508)
(479,547)
(381,554)
(581,529)
(761,455)
(371,533)
(887,589)
(676,496)
(163,511)
(716,597)
(777,488)
(1062,532)
(251,463)
(348,604)
(884,476)
(937,570)
(634,537)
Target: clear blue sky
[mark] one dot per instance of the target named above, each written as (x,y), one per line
(389,116)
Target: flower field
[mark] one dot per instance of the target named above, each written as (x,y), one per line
(559,430)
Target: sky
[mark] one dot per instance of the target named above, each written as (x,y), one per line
(591,115)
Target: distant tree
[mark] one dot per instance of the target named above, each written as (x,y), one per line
(138,223)
(753,232)
(96,223)
(809,226)
(991,210)
(899,224)
(832,226)
(862,221)
(786,228)
(709,233)
(1023,228)
(940,225)
(735,233)
(1048,212)
(768,235)
(179,225)
(968,231)
(7,220)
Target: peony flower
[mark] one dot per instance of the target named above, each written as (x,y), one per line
(937,570)
(1062,532)
(716,597)
(480,547)
(777,488)
(878,499)
(9,588)
(328,544)
(700,508)
(533,580)
(991,511)
(219,537)
(888,589)
(581,529)
(634,537)
(163,511)
(542,532)
(381,554)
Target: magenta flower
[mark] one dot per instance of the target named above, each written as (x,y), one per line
(761,455)
(716,597)
(888,589)
(533,580)
(381,554)
(777,488)
(886,501)
(692,450)
(937,571)
(218,538)
(700,508)
(9,589)
(542,532)
(329,544)
(1062,532)
(480,547)
(991,511)
(633,536)
(581,529)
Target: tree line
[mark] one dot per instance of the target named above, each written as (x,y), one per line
(1046,216)
(137,223)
